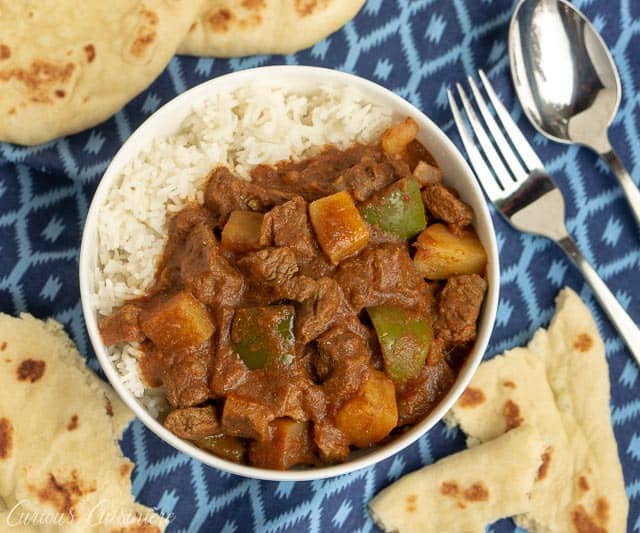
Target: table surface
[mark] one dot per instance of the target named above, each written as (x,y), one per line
(417,48)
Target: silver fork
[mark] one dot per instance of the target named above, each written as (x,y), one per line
(516,181)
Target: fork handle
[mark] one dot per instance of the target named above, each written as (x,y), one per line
(629,188)
(616,313)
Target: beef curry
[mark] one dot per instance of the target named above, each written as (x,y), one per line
(325,305)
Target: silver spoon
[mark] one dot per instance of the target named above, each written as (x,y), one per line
(566,80)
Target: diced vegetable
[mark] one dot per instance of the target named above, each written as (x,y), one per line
(398,209)
(229,448)
(442,254)
(370,416)
(426,174)
(177,322)
(264,335)
(241,233)
(338,225)
(396,138)
(290,445)
(405,337)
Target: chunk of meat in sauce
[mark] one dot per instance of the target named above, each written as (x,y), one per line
(206,272)
(379,275)
(415,399)
(244,417)
(227,369)
(459,308)
(185,376)
(271,265)
(332,443)
(288,225)
(318,314)
(226,193)
(122,326)
(272,275)
(193,422)
(343,362)
(446,206)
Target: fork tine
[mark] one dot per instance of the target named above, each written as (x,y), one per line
(502,174)
(526,151)
(503,145)
(482,171)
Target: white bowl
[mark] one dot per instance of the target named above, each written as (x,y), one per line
(457,174)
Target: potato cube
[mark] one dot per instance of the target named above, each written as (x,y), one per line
(442,254)
(241,233)
(290,445)
(426,174)
(370,416)
(338,225)
(396,138)
(177,322)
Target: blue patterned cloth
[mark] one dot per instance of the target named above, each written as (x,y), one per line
(417,48)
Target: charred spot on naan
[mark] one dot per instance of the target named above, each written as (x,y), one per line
(511,414)
(5,52)
(219,20)
(73,423)
(474,493)
(6,438)
(145,34)
(477,492)
(307,7)
(90,52)
(411,503)
(3,346)
(126,469)
(472,397)
(588,523)
(509,384)
(583,342)
(583,484)
(543,469)
(41,79)
(63,496)
(31,370)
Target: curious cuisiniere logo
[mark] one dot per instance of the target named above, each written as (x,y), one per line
(102,514)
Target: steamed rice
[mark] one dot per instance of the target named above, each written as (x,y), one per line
(240,129)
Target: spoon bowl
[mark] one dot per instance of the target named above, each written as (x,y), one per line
(566,80)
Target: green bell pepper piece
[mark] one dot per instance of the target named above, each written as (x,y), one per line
(264,335)
(405,337)
(225,446)
(398,209)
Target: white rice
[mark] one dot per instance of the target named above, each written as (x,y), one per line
(251,125)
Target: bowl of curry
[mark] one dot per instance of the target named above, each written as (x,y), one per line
(311,315)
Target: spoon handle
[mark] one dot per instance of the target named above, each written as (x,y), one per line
(626,182)
(619,317)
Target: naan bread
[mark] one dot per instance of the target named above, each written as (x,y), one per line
(560,385)
(66,65)
(58,429)
(231,28)
(465,491)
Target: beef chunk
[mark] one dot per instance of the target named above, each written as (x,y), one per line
(343,360)
(244,417)
(272,273)
(122,326)
(226,193)
(193,422)
(418,397)
(227,369)
(382,274)
(459,308)
(318,314)
(271,265)
(372,173)
(186,377)
(206,272)
(446,206)
(288,225)
(290,444)
(331,442)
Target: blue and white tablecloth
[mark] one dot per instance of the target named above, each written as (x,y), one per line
(417,48)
